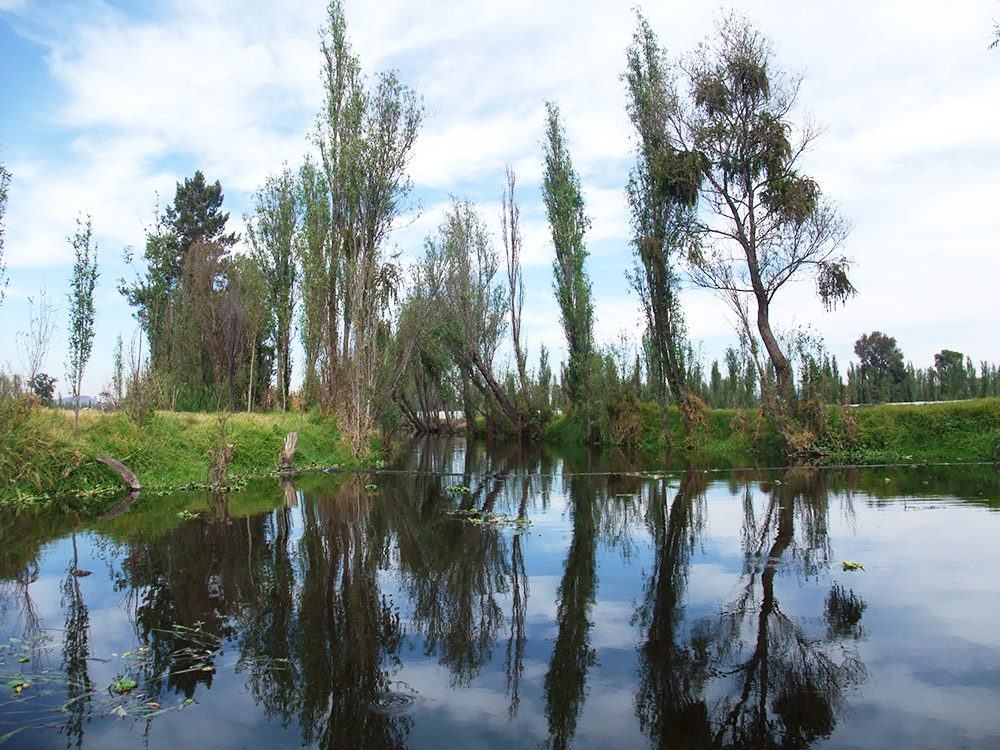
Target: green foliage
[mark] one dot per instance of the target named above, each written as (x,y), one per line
(272,231)
(195,306)
(41,458)
(82,310)
(882,371)
(43,386)
(568,223)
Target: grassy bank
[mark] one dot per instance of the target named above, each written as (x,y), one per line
(943,431)
(40,456)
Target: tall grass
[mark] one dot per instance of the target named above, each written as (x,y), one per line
(40,455)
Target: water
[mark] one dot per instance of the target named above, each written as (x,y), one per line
(497,597)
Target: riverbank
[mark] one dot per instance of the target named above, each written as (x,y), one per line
(882,433)
(43,462)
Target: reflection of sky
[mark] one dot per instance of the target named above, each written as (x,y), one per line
(930,642)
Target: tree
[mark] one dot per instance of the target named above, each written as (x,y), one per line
(272,232)
(365,137)
(4,183)
(765,223)
(510,222)
(33,346)
(882,368)
(568,223)
(318,286)
(43,386)
(187,271)
(662,193)
(196,215)
(950,373)
(81,312)
(462,265)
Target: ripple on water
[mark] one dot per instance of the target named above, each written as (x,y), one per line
(396,701)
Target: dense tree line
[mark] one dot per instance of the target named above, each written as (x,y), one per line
(718,198)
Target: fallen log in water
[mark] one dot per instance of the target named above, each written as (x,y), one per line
(120,507)
(123,471)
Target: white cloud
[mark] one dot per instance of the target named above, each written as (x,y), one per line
(140,99)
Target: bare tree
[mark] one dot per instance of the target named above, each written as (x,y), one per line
(4,183)
(510,217)
(33,344)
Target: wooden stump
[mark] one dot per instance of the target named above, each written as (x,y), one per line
(220,466)
(288,455)
(123,471)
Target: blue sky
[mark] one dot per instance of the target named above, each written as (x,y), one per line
(105,106)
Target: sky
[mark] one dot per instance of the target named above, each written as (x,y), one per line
(105,106)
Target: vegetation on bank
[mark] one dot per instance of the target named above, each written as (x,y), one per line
(40,456)
(941,431)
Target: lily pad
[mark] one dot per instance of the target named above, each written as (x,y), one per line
(124,685)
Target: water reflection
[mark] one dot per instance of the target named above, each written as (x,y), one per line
(324,599)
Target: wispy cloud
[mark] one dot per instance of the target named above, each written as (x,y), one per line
(140,97)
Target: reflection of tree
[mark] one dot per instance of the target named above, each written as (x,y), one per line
(670,703)
(514,662)
(778,685)
(453,571)
(270,617)
(347,632)
(572,655)
(843,613)
(185,586)
(76,650)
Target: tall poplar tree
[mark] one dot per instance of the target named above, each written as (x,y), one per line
(365,136)
(568,223)
(81,311)
(272,231)
(662,192)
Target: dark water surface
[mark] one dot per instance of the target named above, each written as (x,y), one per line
(499,597)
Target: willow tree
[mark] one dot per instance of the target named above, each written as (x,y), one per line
(365,136)
(662,193)
(764,221)
(568,223)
